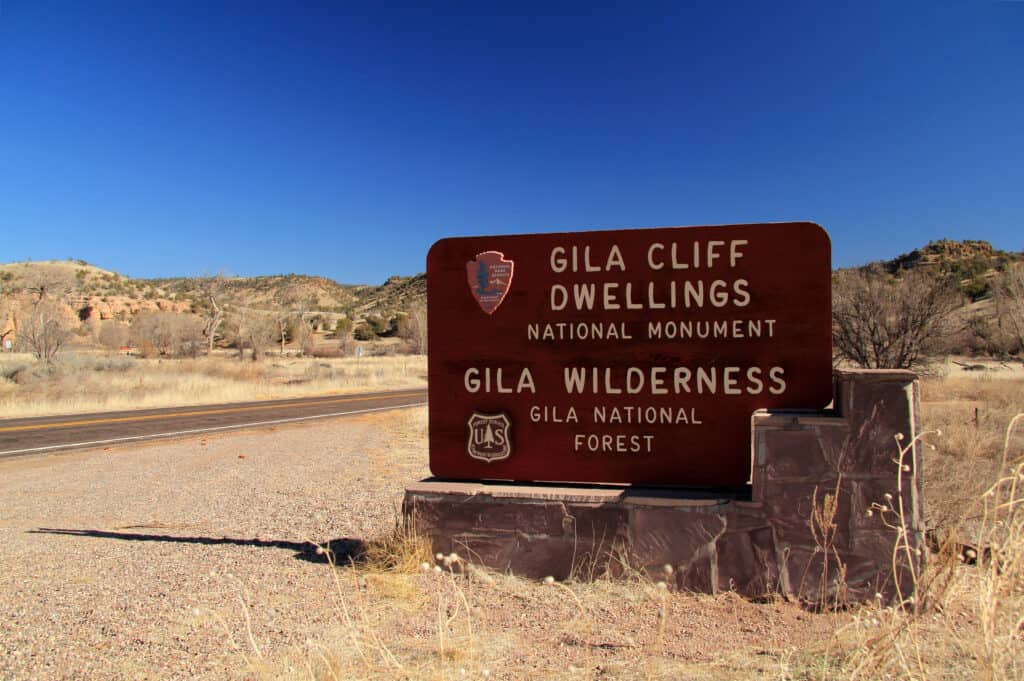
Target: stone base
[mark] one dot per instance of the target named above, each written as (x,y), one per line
(761,541)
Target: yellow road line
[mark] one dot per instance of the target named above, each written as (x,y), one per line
(203,412)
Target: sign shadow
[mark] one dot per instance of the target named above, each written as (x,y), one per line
(344,551)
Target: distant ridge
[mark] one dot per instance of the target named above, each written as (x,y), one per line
(972,263)
(950,256)
(82,285)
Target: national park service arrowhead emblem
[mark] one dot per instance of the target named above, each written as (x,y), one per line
(489,276)
(489,437)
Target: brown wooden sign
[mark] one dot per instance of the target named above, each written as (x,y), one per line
(633,356)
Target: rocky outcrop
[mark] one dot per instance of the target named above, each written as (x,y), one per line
(953,257)
(123,308)
(16,314)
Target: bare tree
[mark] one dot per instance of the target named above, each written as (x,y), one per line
(43,328)
(7,308)
(153,332)
(305,338)
(39,321)
(190,337)
(891,323)
(413,327)
(250,329)
(211,293)
(298,306)
(286,323)
(260,334)
(166,333)
(1008,294)
(346,344)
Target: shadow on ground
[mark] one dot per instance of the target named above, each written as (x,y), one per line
(345,551)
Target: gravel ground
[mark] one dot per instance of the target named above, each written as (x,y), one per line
(119,563)
(191,559)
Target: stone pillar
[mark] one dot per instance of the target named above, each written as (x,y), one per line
(802,529)
(853,454)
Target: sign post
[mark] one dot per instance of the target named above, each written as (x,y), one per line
(629,356)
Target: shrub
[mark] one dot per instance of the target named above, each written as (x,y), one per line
(10,372)
(114,363)
(113,335)
(382,327)
(167,333)
(364,332)
(324,351)
(343,327)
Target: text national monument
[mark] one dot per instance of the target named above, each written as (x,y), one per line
(631,356)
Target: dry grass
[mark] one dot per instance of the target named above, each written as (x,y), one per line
(963,616)
(444,624)
(52,268)
(403,614)
(972,412)
(958,620)
(89,382)
(966,616)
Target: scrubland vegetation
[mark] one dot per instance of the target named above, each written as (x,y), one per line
(965,618)
(199,575)
(405,614)
(88,382)
(912,320)
(88,340)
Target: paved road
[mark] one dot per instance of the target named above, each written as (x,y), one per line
(19,437)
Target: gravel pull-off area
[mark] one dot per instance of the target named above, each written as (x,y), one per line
(119,563)
(192,559)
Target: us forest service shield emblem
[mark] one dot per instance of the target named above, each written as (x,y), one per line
(489,276)
(489,437)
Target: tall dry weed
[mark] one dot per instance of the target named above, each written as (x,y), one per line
(403,550)
(963,616)
(823,526)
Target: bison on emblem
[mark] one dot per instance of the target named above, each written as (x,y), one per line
(489,276)
(489,437)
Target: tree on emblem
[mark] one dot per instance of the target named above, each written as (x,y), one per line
(483,279)
(489,437)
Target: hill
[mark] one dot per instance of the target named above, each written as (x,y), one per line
(311,294)
(89,290)
(973,263)
(94,292)
(948,297)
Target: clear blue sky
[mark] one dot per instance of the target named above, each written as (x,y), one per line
(172,138)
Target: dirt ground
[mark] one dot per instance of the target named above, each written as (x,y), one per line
(197,559)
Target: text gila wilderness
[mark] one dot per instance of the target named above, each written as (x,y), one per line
(656,380)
